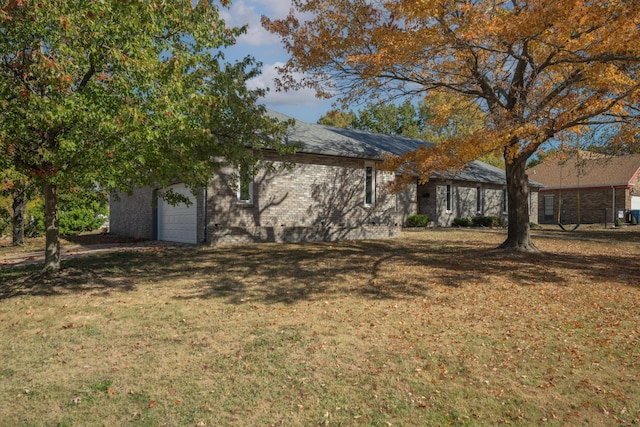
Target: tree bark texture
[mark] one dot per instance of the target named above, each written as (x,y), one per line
(19,205)
(52,243)
(518,228)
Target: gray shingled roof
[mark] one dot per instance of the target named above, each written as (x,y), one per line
(333,141)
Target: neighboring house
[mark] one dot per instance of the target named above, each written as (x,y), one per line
(333,189)
(588,188)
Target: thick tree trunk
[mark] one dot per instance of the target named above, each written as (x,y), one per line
(518,235)
(19,205)
(52,243)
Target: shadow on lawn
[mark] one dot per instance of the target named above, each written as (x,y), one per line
(70,279)
(389,270)
(290,273)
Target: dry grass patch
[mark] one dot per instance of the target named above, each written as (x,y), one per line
(432,328)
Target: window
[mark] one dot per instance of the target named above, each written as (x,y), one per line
(449,199)
(505,201)
(548,207)
(245,185)
(479,200)
(369,185)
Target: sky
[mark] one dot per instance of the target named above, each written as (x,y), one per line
(267,49)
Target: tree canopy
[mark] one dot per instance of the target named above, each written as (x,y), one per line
(538,69)
(424,121)
(122,94)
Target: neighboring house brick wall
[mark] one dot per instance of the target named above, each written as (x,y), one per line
(596,205)
(132,215)
(316,198)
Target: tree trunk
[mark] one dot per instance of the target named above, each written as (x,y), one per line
(518,234)
(52,243)
(19,205)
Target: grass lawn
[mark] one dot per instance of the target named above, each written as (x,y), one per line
(433,328)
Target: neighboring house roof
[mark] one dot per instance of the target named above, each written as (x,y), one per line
(585,169)
(354,143)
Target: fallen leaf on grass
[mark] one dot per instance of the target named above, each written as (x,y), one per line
(152,404)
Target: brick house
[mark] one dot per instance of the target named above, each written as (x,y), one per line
(588,188)
(333,190)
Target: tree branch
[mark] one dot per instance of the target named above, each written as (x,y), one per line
(85,79)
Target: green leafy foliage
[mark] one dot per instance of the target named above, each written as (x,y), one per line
(419,220)
(5,220)
(78,213)
(338,119)
(423,121)
(124,94)
(487,221)
(462,222)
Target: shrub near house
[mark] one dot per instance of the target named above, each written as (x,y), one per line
(487,221)
(462,222)
(5,220)
(78,213)
(417,220)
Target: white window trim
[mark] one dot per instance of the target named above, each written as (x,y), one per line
(479,199)
(371,165)
(448,198)
(239,198)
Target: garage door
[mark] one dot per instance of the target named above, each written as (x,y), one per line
(635,203)
(178,223)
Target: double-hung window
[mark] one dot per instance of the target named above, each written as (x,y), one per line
(369,184)
(479,200)
(245,185)
(548,207)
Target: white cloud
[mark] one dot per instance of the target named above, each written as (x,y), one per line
(301,104)
(267,48)
(250,12)
(276,8)
(267,81)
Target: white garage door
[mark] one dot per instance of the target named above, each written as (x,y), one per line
(178,223)
(635,203)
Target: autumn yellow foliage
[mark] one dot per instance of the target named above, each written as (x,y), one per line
(539,69)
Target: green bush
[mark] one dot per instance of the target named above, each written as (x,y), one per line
(462,222)
(77,213)
(618,222)
(5,221)
(487,221)
(419,220)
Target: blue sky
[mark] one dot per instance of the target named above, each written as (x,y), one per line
(267,48)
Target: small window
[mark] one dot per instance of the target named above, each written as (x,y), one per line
(245,185)
(548,207)
(505,201)
(449,198)
(369,185)
(479,200)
